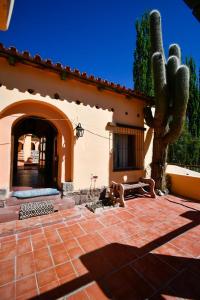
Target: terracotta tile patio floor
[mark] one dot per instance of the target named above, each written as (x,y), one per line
(148,250)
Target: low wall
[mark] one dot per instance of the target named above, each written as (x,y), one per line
(185,185)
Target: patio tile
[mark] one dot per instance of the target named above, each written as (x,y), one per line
(26,285)
(46,276)
(127,284)
(91,225)
(186,285)
(156,272)
(111,234)
(8,252)
(24,246)
(130,256)
(194,266)
(42,259)
(66,279)
(24,234)
(7,271)
(52,237)
(75,252)
(60,257)
(7,291)
(90,246)
(81,295)
(124,215)
(97,264)
(108,220)
(10,238)
(188,246)
(79,266)
(25,265)
(57,248)
(35,231)
(29,295)
(118,254)
(64,270)
(76,230)
(173,256)
(84,239)
(63,230)
(49,286)
(66,236)
(95,292)
(39,241)
(70,244)
(59,253)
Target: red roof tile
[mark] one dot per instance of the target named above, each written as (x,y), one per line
(26,58)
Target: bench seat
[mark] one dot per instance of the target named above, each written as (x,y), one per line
(118,190)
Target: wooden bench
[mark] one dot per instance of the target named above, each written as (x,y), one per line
(118,190)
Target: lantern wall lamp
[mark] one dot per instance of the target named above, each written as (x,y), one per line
(79,130)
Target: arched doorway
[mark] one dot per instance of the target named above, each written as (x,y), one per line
(31,167)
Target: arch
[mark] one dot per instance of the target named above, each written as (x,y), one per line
(17,111)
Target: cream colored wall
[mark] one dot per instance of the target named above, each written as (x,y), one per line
(89,154)
(148,150)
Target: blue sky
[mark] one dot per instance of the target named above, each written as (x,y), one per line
(97,37)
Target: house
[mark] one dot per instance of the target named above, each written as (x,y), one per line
(6,8)
(51,104)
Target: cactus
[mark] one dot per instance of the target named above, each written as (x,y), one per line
(171,86)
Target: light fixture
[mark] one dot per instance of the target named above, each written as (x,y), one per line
(79,130)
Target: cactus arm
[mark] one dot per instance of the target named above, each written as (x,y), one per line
(175,50)
(171,69)
(160,87)
(156,32)
(180,105)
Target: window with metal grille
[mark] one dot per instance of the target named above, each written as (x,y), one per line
(124,152)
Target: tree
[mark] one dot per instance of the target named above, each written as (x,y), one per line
(193,108)
(171,86)
(142,74)
(186,150)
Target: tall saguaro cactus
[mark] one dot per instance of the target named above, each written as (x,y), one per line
(171,86)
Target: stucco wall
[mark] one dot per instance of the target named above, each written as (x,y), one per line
(186,186)
(184,182)
(79,158)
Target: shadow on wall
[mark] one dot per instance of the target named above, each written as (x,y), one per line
(148,139)
(125,272)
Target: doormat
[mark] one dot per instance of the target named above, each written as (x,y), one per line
(33,209)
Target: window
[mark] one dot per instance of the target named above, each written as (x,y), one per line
(124,152)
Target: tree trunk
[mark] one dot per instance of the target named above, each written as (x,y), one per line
(159,160)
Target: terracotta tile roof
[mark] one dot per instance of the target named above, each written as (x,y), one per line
(14,56)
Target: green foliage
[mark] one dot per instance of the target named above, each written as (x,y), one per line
(186,150)
(193,109)
(142,74)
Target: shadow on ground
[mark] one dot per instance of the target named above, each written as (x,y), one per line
(128,272)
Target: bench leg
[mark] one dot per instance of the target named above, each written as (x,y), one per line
(151,183)
(121,195)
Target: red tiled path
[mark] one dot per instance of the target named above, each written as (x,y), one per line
(148,250)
